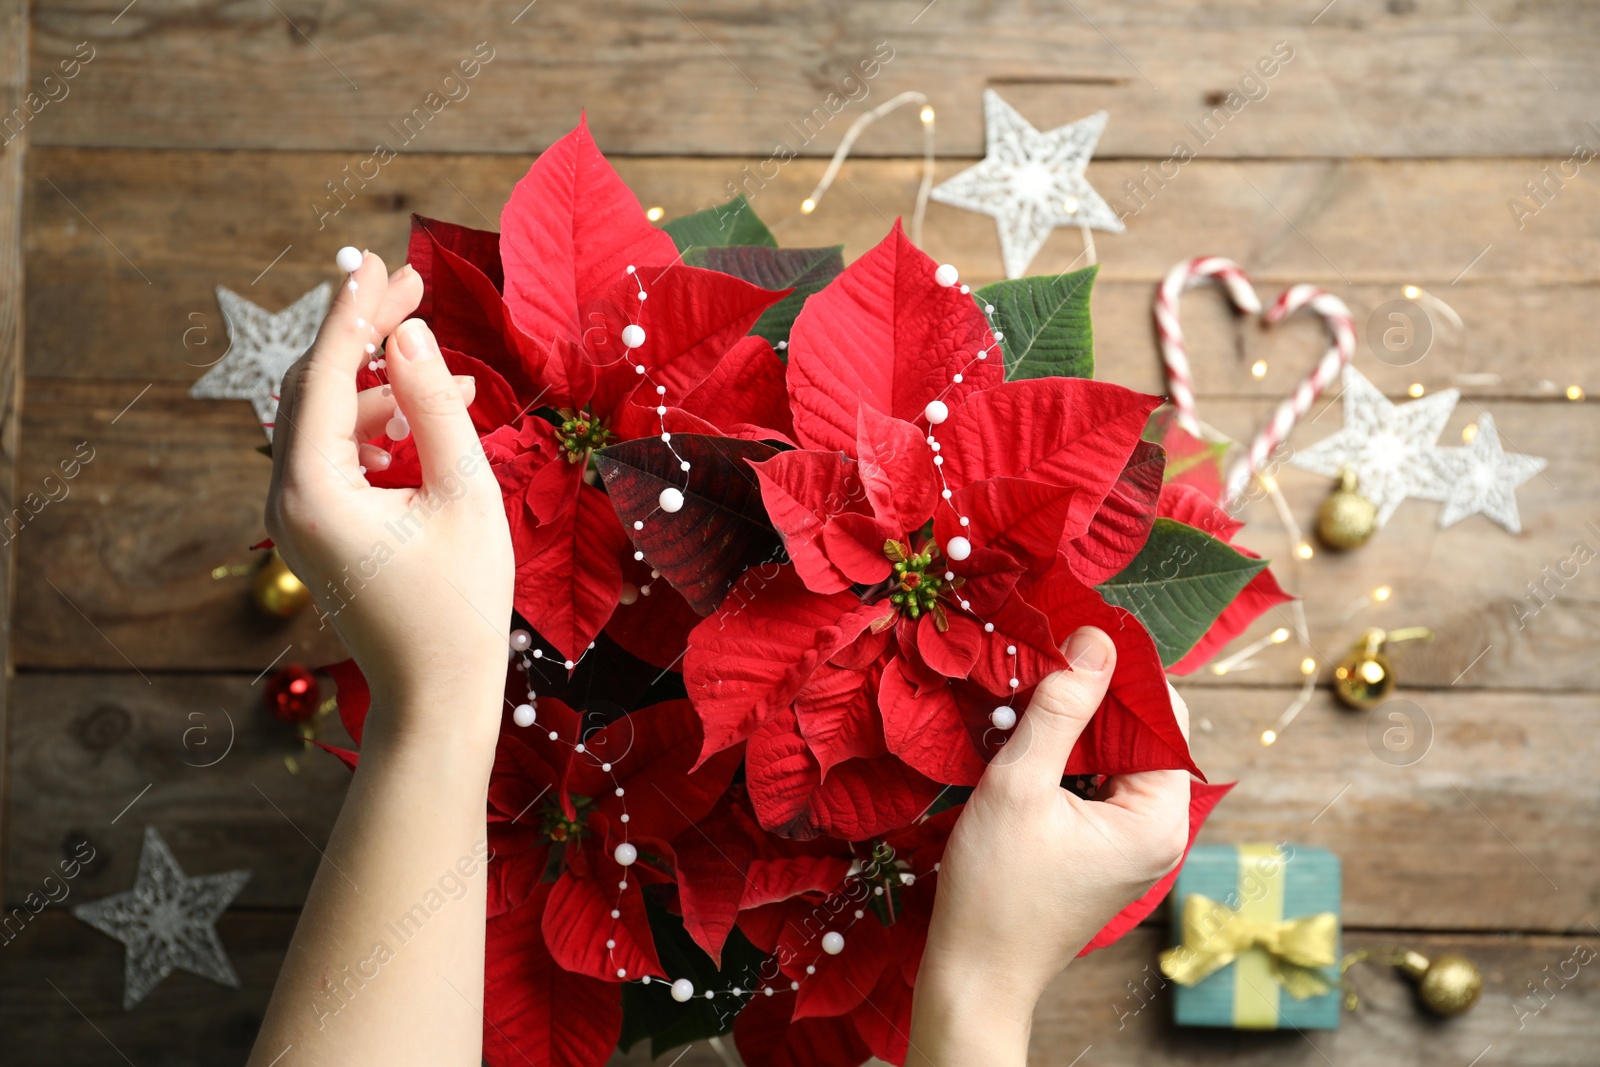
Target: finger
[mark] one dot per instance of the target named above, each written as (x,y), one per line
(376,406)
(323,414)
(1061,708)
(432,404)
(374,458)
(400,298)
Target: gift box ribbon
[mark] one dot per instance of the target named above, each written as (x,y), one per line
(1292,951)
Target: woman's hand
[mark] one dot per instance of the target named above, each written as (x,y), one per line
(1032,872)
(417,582)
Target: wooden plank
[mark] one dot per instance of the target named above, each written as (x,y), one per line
(118,573)
(1488,79)
(1114,1001)
(189,221)
(84,746)
(99,757)
(176,487)
(13,82)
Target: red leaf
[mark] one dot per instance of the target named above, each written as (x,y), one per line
(782,775)
(757,650)
(744,393)
(780,878)
(1074,432)
(929,732)
(841,982)
(478,249)
(1192,507)
(1021,518)
(346,757)
(883,1019)
(570,576)
(897,470)
(864,798)
(353,696)
(1134,728)
(493,403)
(655,627)
(533,1011)
(1019,625)
(805,492)
(570,230)
(711,864)
(884,333)
(953,651)
(1191,461)
(651,752)
(1122,525)
(513,875)
(766,1037)
(1203,798)
(578,923)
(837,715)
(722,528)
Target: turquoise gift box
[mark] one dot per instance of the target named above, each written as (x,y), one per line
(1256,938)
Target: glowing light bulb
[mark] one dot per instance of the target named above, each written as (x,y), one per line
(1411,292)
(1258,369)
(1469,431)
(1308,666)
(1382,593)
(1574,392)
(1268,736)
(654,214)
(1303,550)
(926,115)
(1416,389)
(1280,635)
(807,206)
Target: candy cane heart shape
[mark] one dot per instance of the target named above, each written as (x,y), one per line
(1342,346)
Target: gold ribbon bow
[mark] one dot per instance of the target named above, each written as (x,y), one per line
(1214,935)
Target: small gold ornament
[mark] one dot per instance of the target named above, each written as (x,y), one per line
(1447,985)
(276,590)
(1365,677)
(1346,519)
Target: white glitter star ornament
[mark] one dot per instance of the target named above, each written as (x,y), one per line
(1482,478)
(167,921)
(262,345)
(1389,447)
(1031,182)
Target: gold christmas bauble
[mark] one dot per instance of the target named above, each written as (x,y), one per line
(276,590)
(1346,519)
(1447,985)
(1364,679)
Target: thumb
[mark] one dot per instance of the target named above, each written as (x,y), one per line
(1062,705)
(430,401)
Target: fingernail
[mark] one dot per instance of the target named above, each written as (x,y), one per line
(1088,650)
(416,341)
(380,460)
(468,386)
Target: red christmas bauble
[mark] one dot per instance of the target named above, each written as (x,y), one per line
(292,694)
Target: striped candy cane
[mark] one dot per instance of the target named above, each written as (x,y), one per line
(1341,330)
(1174,352)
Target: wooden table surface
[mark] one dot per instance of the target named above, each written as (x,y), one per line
(196,147)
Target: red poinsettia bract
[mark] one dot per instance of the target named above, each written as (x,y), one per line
(864,673)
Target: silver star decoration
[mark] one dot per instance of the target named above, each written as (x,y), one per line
(1483,478)
(1031,182)
(262,345)
(1389,447)
(167,921)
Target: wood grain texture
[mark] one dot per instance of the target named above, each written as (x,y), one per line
(167,227)
(13,79)
(1367,78)
(85,746)
(1113,1001)
(175,490)
(99,757)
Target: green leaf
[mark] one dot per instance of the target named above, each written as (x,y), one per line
(733,223)
(1046,324)
(805,270)
(649,1010)
(1179,583)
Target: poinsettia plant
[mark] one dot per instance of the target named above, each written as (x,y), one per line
(795,541)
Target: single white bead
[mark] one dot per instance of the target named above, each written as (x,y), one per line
(521,640)
(957,379)
(644,590)
(638,555)
(361,322)
(554,736)
(965,521)
(949,576)
(638,524)
(682,990)
(645,980)
(665,436)
(610,943)
(833,942)
(965,289)
(638,368)
(934,444)
(998,336)
(372,365)
(938,461)
(606,767)
(371,348)
(397,428)
(860,914)
(631,268)
(354,285)
(958,548)
(633,335)
(623,816)
(570,664)
(946,275)
(988,627)
(710,994)
(671,499)
(661,390)
(579,747)
(811,968)
(538,653)
(622,884)
(736,991)
(622,972)
(794,985)
(684,466)
(1011,650)
(907,878)
(625,855)
(620,791)
(1004,717)
(654,573)
(936,411)
(615,914)
(382,363)
(966,605)
(988,309)
(643,295)
(524,715)
(661,409)
(630,594)
(767,992)
(946,494)
(1015,682)
(781,345)
(348,259)
(983,353)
